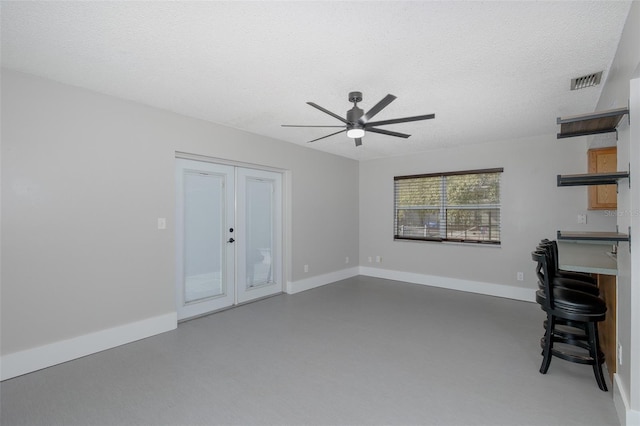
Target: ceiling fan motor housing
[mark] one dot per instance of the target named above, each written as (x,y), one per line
(353,115)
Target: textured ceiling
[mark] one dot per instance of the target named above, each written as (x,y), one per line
(488,70)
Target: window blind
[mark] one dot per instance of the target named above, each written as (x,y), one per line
(461,206)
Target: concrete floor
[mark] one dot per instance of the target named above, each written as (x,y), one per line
(360,351)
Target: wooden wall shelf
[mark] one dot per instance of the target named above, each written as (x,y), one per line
(590,124)
(591,179)
(592,236)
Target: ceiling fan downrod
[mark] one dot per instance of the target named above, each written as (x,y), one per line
(354,114)
(355,130)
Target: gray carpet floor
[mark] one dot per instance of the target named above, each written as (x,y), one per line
(362,351)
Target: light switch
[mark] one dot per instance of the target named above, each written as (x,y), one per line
(162,223)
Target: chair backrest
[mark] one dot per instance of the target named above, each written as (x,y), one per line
(544,274)
(553,252)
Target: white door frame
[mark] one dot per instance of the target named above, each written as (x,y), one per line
(284,237)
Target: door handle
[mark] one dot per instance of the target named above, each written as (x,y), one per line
(231,240)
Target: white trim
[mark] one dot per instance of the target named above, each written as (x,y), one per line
(294,287)
(234,163)
(23,362)
(626,415)
(29,360)
(489,289)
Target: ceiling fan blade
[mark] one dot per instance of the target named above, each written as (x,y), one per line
(402,120)
(341,131)
(304,125)
(326,111)
(387,132)
(376,108)
(358,141)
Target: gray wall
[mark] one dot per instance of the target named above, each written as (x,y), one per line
(625,66)
(533,207)
(85,177)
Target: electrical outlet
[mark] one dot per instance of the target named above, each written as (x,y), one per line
(582,218)
(162,223)
(370,259)
(306,268)
(378,259)
(520,276)
(346,259)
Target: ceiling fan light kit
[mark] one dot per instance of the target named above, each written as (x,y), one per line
(355,133)
(357,121)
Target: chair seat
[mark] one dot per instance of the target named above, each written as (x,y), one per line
(576,285)
(574,303)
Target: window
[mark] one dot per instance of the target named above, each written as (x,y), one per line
(455,206)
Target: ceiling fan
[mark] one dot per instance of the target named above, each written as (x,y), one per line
(357,122)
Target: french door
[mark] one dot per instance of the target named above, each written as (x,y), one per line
(228,236)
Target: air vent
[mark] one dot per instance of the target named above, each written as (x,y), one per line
(586,81)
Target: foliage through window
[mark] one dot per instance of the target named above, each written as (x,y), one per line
(455,206)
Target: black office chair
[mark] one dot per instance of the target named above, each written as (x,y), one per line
(577,307)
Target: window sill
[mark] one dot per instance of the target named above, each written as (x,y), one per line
(457,243)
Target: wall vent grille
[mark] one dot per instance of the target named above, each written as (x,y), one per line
(586,81)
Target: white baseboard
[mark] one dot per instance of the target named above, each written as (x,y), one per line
(320,280)
(626,415)
(509,292)
(29,360)
(506,291)
(23,362)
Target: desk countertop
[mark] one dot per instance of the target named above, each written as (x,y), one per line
(590,258)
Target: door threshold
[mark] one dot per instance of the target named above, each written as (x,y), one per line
(206,314)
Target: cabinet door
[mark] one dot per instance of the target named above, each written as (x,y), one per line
(601,160)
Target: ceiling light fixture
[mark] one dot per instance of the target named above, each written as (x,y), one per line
(355,133)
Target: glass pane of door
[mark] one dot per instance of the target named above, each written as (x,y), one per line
(205,265)
(259,232)
(203,232)
(259,220)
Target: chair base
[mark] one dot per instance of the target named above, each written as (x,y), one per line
(572,356)
(568,329)
(588,341)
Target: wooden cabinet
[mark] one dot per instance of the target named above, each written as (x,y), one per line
(602,160)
